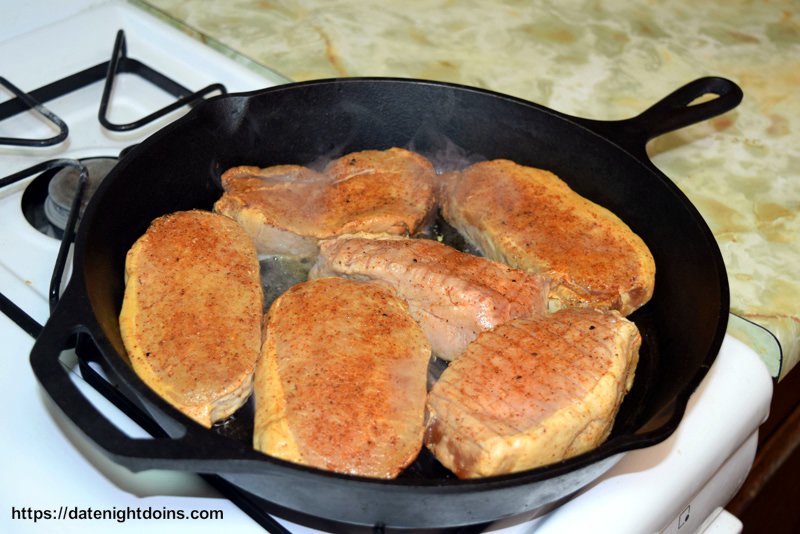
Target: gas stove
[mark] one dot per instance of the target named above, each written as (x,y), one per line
(74,128)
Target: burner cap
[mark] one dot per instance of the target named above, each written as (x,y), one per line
(64,185)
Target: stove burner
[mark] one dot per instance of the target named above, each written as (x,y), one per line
(63,186)
(47,200)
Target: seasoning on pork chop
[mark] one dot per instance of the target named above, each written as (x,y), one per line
(341,383)
(452,294)
(191,313)
(532,220)
(286,209)
(532,392)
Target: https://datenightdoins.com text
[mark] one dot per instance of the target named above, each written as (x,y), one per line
(119,515)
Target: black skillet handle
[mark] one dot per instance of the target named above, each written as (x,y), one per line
(59,334)
(672,112)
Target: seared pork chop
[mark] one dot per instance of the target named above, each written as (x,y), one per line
(286,209)
(341,382)
(191,313)
(452,294)
(532,220)
(532,392)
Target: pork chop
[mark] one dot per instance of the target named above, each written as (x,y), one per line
(532,220)
(532,392)
(452,294)
(191,313)
(286,209)
(341,383)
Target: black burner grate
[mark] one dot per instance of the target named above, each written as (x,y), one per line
(108,71)
(33,105)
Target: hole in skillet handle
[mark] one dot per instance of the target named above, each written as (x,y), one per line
(673,112)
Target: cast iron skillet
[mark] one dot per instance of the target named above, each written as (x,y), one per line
(178,168)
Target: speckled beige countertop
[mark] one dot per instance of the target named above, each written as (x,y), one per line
(597,59)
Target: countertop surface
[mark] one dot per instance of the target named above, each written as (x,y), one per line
(596,59)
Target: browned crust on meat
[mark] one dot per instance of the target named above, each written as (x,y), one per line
(532,220)
(341,383)
(532,392)
(191,313)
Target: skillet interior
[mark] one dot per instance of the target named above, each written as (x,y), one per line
(179,167)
